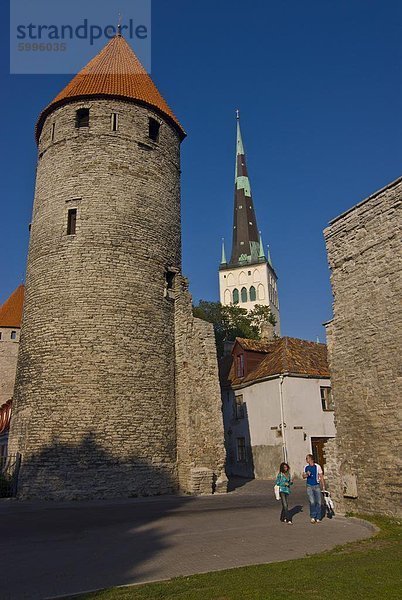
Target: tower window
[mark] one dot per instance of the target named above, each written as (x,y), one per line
(114,121)
(82,117)
(170,275)
(52,132)
(13,335)
(71,221)
(153,129)
(235,296)
(253,295)
(243,294)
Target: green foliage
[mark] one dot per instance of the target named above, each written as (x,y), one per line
(233,321)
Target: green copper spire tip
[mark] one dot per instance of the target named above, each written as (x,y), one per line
(261,251)
(223,259)
(269,256)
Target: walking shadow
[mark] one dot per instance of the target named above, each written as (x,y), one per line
(295,510)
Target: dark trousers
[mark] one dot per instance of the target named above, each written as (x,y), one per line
(285,509)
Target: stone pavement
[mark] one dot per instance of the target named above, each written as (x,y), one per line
(52,549)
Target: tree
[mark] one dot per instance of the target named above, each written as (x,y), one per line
(233,321)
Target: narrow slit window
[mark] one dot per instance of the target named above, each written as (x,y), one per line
(53,131)
(114,121)
(82,117)
(71,221)
(153,129)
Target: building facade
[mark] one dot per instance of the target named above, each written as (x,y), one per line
(365,342)
(100,402)
(277,405)
(248,278)
(10,327)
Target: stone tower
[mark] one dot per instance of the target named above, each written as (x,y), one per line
(249,277)
(96,403)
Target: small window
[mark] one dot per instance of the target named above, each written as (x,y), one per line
(71,221)
(241,449)
(114,121)
(53,131)
(235,296)
(0,335)
(327,402)
(243,294)
(170,275)
(13,335)
(153,129)
(240,365)
(82,117)
(239,407)
(253,294)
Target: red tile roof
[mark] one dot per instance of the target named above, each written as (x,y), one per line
(283,355)
(11,310)
(114,72)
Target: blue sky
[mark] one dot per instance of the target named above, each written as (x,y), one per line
(318,85)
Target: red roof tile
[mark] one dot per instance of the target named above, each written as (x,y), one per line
(114,72)
(11,310)
(284,355)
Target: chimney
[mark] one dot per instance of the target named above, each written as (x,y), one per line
(267,331)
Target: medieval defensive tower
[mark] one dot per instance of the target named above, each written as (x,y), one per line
(101,406)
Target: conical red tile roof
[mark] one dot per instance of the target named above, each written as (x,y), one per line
(11,310)
(114,72)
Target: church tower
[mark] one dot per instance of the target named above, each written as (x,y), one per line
(249,277)
(100,396)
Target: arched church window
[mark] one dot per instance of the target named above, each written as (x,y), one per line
(253,295)
(243,294)
(242,277)
(235,296)
(227,297)
(261,292)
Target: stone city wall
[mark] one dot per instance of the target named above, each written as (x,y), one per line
(364,253)
(200,437)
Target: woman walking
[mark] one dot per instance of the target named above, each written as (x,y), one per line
(284,481)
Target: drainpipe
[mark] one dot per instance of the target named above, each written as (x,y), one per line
(284,448)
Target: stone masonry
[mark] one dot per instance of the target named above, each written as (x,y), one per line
(8,362)
(95,403)
(199,414)
(365,344)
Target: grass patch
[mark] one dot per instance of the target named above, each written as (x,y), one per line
(363,570)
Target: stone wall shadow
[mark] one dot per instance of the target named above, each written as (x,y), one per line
(239,473)
(74,545)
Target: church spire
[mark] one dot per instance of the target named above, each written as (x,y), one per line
(246,243)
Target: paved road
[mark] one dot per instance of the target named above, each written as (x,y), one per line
(51,549)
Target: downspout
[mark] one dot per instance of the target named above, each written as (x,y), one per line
(283,425)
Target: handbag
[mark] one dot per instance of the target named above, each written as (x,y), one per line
(277,492)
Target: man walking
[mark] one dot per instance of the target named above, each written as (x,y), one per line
(315,478)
